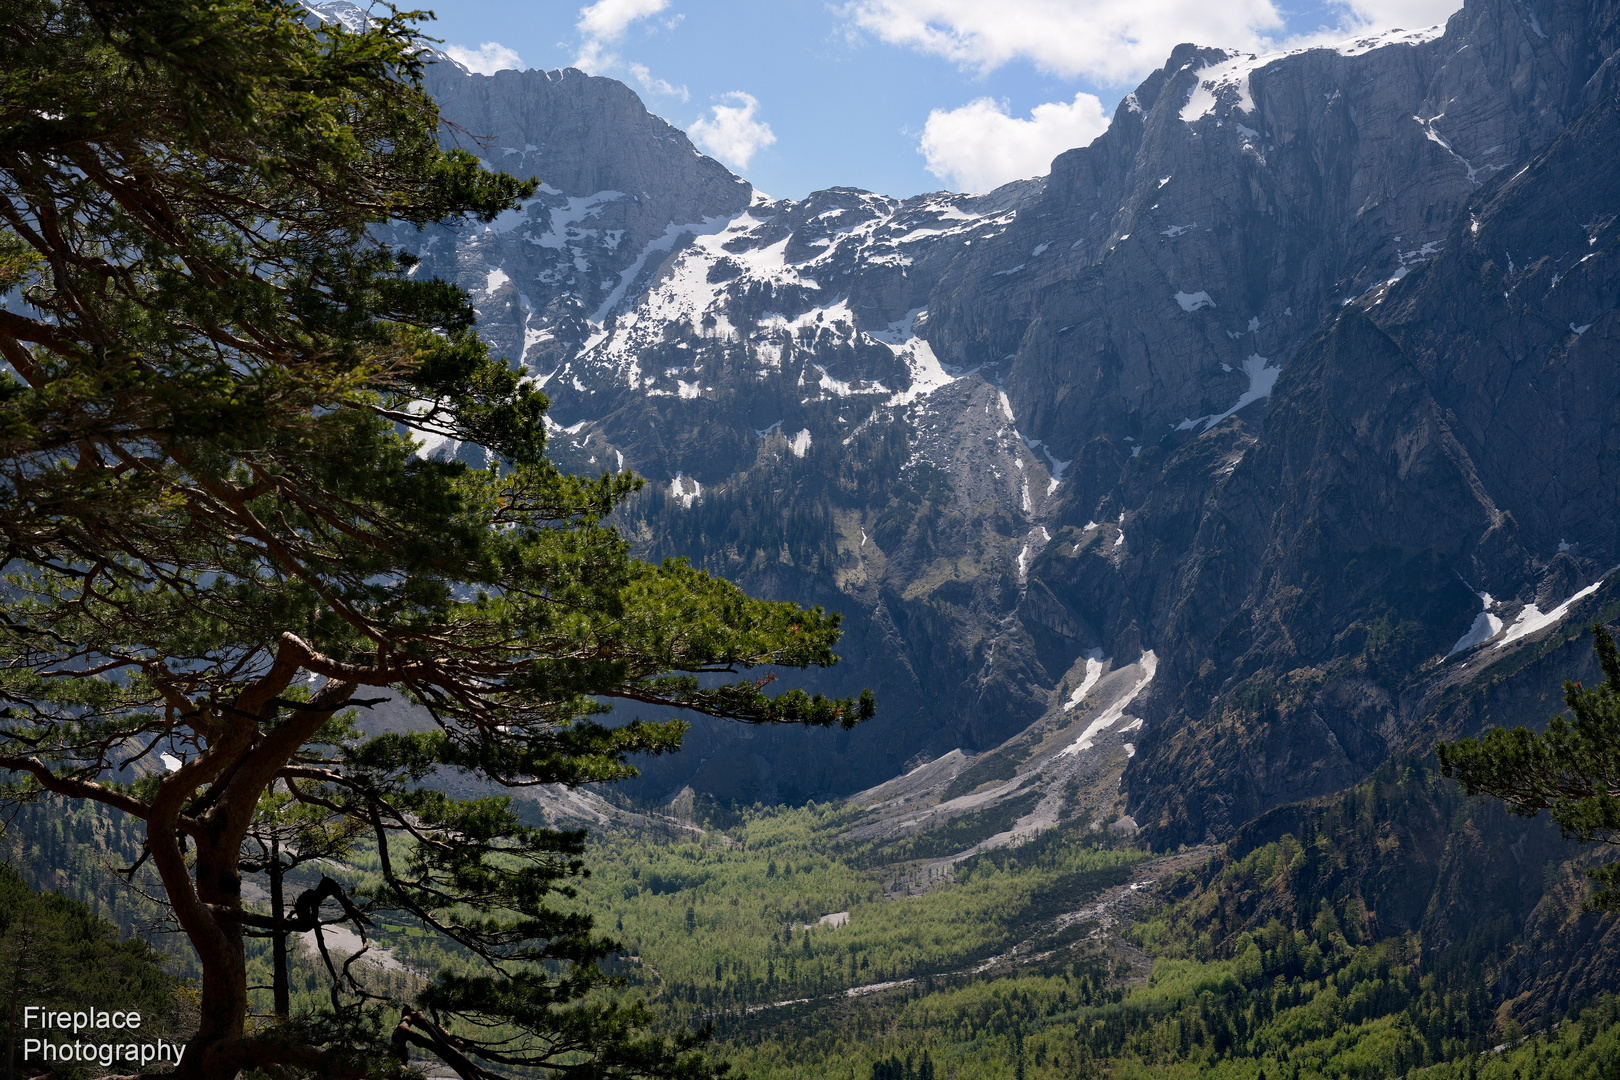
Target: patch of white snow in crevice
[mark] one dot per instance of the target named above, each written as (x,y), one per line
(1409,259)
(927,373)
(1444,144)
(1261,381)
(1176,230)
(706,227)
(495,279)
(1532,619)
(1054,466)
(1096,664)
(1486,626)
(1115,712)
(1006,405)
(765,433)
(561,219)
(800,443)
(1038,539)
(571,429)
(844,389)
(685,489)
(1193,301)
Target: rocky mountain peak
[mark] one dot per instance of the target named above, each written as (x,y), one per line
(1198,395)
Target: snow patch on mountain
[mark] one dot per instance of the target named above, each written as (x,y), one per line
(927,373)
(1095,666)
(1532,618)
(685,489)
(662,244)
(1227,80)
(1149,665)
(1262,378)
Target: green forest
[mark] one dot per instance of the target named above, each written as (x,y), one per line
(811,957)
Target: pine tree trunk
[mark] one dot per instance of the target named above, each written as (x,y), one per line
(278,937)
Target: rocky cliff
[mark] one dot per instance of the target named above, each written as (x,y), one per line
(1283,404)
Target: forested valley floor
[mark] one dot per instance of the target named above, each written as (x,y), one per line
(1075,955)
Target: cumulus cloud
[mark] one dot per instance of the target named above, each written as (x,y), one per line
(609,19)
(1109,41)
(604,22)
(1407,14)
(730,132)
(661,87)
(487,59)
(980,146)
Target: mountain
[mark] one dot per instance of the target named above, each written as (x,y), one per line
(1258,442)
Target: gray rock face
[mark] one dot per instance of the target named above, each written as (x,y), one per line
(620,187)
(1271,380)
(1438,448)
(1235,202)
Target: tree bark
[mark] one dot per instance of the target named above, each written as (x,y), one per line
(240,768)
(278,937)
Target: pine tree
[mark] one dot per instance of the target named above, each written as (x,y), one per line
(219,536)
(1571,769)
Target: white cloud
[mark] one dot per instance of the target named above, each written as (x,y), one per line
(979,146)
(651,85)
(605,22)
(1406,14)
(487,59)
(609,19)
(1110,41)
(731,133)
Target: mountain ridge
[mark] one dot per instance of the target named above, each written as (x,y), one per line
(1013,434)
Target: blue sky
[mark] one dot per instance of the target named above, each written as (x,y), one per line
(895,96)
